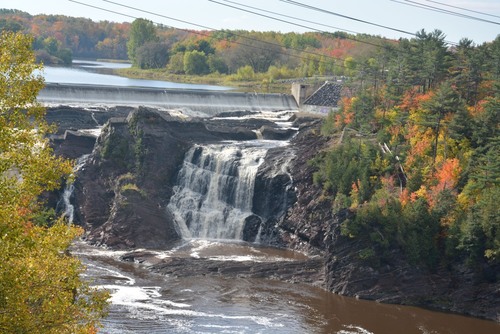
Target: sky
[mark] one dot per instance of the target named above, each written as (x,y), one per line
(393,15)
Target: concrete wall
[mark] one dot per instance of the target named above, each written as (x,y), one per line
(209,102)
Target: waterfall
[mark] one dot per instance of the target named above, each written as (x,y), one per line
(69,209)
(214,191)
(64,205)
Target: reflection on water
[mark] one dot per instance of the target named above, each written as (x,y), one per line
(144,302)
(98,73)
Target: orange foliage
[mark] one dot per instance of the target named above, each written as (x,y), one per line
(404,197)
(412,99)
(477,109)
(221,45)
(421,142)
(447,175)
(347,116)
(338,121)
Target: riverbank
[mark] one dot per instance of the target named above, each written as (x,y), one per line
(262,83)
(122,193)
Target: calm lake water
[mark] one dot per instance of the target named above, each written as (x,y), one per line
(145,302)
(98,73)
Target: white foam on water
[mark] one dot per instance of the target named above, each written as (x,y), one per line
(114,273)
(138,300)
(352,329)
(94,132)
(201,245)
(249,258)
(86,250)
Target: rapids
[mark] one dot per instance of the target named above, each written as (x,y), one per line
(146,302)
(143,301)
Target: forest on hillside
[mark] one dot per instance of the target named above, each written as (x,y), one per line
(416,153)
(59,38)
(415,143)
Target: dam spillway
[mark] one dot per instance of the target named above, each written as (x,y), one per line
(205,101)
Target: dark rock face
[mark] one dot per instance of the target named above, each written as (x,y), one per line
(251,229)
(310,225)
(74,144)
(122,192)
(69,118)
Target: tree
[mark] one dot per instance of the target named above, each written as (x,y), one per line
(152,55)
(41,290)
(466,70)
(141,32)
(445,101)
(430,58)
(195,62)
(258,54)
(216,64)
(176,63)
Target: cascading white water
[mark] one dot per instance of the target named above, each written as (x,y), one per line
(214,191)
(67,208)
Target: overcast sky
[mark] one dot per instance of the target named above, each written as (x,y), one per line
(398,15)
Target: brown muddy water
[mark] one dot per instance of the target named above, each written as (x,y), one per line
(145,302)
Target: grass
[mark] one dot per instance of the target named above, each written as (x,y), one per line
(261,84)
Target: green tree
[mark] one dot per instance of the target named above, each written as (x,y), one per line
(176,63)
(445,101)
(152,55)
(195,62)
(258,54)
(350,65)
(141,32)
(216,64)
(41,290)
(467,70)
(429,59)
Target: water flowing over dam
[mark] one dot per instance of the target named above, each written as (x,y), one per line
(208,102)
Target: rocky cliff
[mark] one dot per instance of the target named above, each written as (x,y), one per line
(310,225)
(122,192)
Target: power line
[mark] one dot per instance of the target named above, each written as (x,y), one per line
(443,11)
(292,17)
(422,6)
(202,33)
(231,33)
(462,8)
(292,23)
(303,5)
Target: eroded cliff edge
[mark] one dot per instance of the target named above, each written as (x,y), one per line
(124,187)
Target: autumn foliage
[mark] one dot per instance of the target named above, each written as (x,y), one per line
(437,134)
(41,290)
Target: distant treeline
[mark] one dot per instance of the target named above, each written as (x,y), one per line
(60,38)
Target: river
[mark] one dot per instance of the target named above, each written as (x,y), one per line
(146,302)
(100,73)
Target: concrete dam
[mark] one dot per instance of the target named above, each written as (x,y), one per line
(205,101)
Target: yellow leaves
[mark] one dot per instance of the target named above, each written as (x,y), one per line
(41,290)
(41,285)
(420,193)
